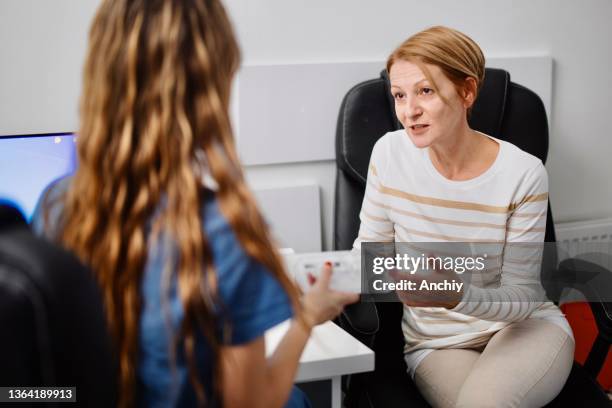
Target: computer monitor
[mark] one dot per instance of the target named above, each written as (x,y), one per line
(28,163)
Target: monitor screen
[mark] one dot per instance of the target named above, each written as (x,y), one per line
(28,163)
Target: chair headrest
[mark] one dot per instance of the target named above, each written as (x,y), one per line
(10,215)
(366,114)
(384,75)
(490,106)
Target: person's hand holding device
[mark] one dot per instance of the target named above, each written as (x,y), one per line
(320,302)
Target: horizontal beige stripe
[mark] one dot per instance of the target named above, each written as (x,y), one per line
(446,237)
(529,199)
(439,202)
(436,219)
(485,272)
(374,218)
(446,253)
(462,205)
(371,239)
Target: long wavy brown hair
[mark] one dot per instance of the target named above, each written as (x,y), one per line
(154,109)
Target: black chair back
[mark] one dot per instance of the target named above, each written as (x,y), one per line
(53,326)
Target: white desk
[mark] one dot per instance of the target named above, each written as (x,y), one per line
(329,354)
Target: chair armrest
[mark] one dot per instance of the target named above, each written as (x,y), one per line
(589,275)
(361,321)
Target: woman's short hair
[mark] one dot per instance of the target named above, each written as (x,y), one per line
(456,54)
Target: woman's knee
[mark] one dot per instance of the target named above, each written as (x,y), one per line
(440,375)
(551,384)
(519,391)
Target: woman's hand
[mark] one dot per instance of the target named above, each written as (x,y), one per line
(427,297)
(321,303)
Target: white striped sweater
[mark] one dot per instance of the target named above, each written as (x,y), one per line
(408,200)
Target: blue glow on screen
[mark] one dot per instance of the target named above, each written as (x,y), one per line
(28,164)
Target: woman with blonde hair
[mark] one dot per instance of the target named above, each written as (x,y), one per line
(160,211)
(496,341)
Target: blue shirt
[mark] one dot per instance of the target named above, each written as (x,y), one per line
(253,301)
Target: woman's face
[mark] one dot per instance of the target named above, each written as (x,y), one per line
(427,118)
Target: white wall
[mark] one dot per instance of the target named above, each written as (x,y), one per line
(42,48)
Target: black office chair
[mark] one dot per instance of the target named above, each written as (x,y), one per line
(504,110)
(51,319)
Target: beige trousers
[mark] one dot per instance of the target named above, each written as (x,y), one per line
(525,364)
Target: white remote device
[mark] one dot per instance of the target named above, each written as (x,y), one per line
(346,269)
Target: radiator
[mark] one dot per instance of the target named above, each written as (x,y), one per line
(581,237)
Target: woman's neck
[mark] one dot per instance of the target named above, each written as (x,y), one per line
(464,156)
